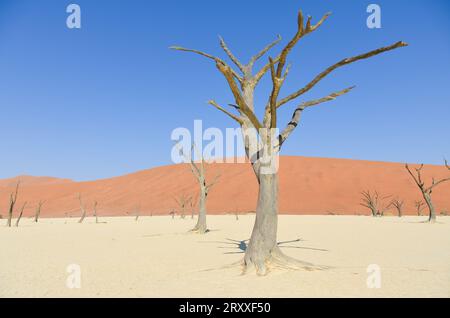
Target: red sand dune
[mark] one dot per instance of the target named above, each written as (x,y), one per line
(307,186)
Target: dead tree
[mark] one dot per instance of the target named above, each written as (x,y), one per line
(95,212)
(183,201)
(20,214)
(83,209)
(262,140)
(12,203)
(427,190)
(420,205)
(38,211)
(137,212)
(398,205)
(374,202)
(199,172)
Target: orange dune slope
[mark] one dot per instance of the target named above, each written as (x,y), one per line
(307,186)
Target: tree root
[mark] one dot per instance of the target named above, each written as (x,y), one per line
(277,259)
(199,230)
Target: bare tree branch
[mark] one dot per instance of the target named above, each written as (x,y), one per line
(337,65)
(301,31)
(436,183)
(244,108)
(417,179)
(264,51)
(298,112)
(236,118)
(231,55)
(216,179)
(216,59)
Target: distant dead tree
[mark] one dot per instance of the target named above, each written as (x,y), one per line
(374,202)
(420,205)
(83,209)
(183,201)
(95,211)
(261,145)
(172,213)
(20,214)
(427,190)
(198,170)
(398,205)
(38,211)
(12,203)
(137,212)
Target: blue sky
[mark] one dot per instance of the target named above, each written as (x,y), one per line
(103,100)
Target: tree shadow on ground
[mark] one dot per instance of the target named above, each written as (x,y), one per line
(240,246)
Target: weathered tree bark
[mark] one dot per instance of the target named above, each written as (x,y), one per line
(429,202)
(263,240)
(20,214)
(262,250)
(427,190)
(38,211)
(201,227)
(12,203)
(82,208)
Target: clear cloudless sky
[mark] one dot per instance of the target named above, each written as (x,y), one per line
(103,100)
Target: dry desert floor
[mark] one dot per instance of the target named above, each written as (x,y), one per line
(156,257)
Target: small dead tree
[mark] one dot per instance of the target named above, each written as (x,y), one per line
(38,211)
(95,211)
(183,201)
(420,205)
(262,142)
(172,213)
(82,208)
(199,172)
(137,212)
(374,202)
(12,203)
(427,190)
(398,205)
(20,214)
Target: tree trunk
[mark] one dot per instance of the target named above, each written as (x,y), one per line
(429,202)
(10,215)
(201,227)
(18,219)
(263,241)
(36,216)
